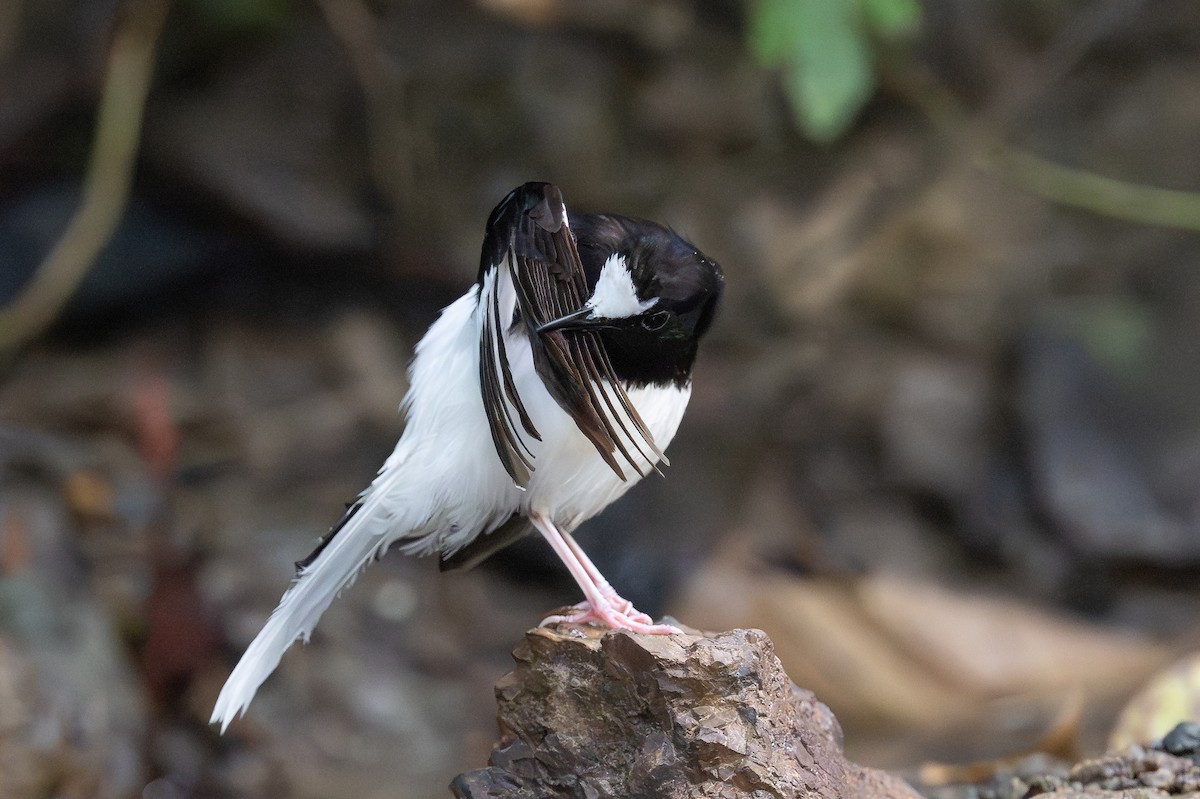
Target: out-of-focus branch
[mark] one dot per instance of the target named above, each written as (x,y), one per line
(106,185)
(1133,202)
(1079,188)
(392,144)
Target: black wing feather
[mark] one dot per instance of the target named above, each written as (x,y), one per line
(326,539)
(530,236)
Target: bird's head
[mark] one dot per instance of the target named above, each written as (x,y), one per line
(653,295)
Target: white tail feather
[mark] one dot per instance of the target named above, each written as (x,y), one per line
(456,470)
(352,548)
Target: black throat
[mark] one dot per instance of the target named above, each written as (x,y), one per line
(659,347)
(641,358)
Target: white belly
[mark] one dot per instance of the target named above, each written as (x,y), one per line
(571,482)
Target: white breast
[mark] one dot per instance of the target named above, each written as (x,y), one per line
(444,481)
(571,482)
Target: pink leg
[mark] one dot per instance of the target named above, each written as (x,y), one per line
(601,603)
(594,573)
(618,602)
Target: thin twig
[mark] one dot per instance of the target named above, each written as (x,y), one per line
(106,185)
(392,144)
(1089,26)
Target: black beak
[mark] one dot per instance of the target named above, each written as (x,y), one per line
(573,321)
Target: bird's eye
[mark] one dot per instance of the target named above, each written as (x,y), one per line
(656,321)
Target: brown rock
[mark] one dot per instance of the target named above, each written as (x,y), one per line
(595,713)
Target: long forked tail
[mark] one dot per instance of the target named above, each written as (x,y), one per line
(348,548)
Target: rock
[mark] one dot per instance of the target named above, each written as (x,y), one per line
(1132,773)
(74,720)
(1183,739)
(592,713)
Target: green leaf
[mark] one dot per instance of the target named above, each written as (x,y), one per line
(774,27)
(892,18)
(829,75)
(823,49)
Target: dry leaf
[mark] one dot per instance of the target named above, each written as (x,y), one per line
(882,649)
(1000,646)
(1169,697)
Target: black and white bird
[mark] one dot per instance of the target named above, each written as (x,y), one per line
(535,400)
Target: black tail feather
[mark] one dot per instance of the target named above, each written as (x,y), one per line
(351,509)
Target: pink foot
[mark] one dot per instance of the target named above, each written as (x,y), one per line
(602,604)
(616,614)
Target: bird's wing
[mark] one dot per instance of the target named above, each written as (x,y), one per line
(530,250)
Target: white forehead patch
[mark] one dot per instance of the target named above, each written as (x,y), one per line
(615,297)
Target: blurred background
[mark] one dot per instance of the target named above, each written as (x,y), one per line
(944,442)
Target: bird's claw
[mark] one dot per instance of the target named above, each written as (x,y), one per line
(616,614)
